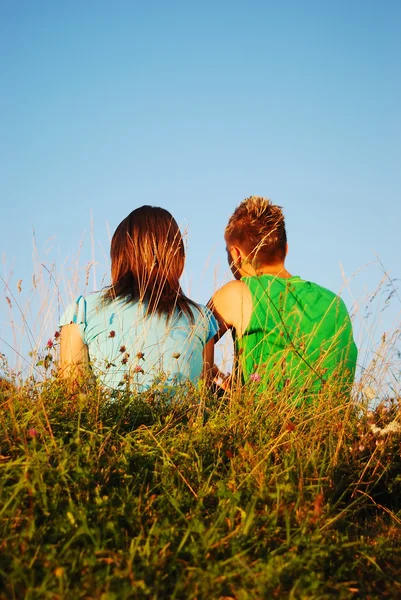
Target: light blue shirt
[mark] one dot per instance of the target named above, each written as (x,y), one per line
(126,346)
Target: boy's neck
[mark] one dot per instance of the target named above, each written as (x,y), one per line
(278,270)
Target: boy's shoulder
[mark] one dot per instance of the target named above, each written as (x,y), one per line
(316,288)
(231,290)
(317,298)
(233,286)
(232,304)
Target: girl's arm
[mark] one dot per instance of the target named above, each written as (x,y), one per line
(74,357)
(208,362)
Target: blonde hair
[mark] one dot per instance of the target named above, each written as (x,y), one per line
(257,226)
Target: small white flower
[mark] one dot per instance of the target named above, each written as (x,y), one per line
(375,429)
(369,393)
(392,427)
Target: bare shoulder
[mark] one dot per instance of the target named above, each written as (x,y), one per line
(232,289)
(232,304)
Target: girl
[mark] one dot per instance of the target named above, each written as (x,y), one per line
(142,330)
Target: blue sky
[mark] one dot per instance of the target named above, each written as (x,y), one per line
(194,106)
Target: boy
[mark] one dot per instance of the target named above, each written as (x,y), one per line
(288,333)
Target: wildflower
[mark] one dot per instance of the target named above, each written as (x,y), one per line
(112,334)
(255,377)
(140,355)
(392,427)
(176,355)
(56,335)
(317,508)
(138,369)
(32,432)
(59,571)
(49,344)
(124,360)
(290,426)
(82,399)
(122,349)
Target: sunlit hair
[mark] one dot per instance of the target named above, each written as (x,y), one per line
(257,227)
(147,260)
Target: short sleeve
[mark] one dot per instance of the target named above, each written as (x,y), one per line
(75,313)
(213,326)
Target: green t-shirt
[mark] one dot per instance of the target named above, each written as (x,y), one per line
(299,336)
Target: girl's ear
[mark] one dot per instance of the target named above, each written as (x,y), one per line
(286,250)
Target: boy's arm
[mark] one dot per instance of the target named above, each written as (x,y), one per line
(232,307)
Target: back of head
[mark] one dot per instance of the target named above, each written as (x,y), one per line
(147,260)
(257,226)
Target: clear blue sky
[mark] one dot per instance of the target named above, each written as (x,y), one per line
(194,106)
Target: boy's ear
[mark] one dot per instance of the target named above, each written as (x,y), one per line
(234,256)
(235,253)
(286,250)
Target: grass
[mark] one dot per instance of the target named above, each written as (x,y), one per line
(239,498)
(244,499)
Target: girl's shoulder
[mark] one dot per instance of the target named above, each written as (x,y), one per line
(203,322)
(198,309)
(200,314)
(77,311)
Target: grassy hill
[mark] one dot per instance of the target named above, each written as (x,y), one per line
(236,498)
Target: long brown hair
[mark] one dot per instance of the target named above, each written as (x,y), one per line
(147,260)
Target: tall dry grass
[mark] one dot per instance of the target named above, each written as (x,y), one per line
(201,497)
